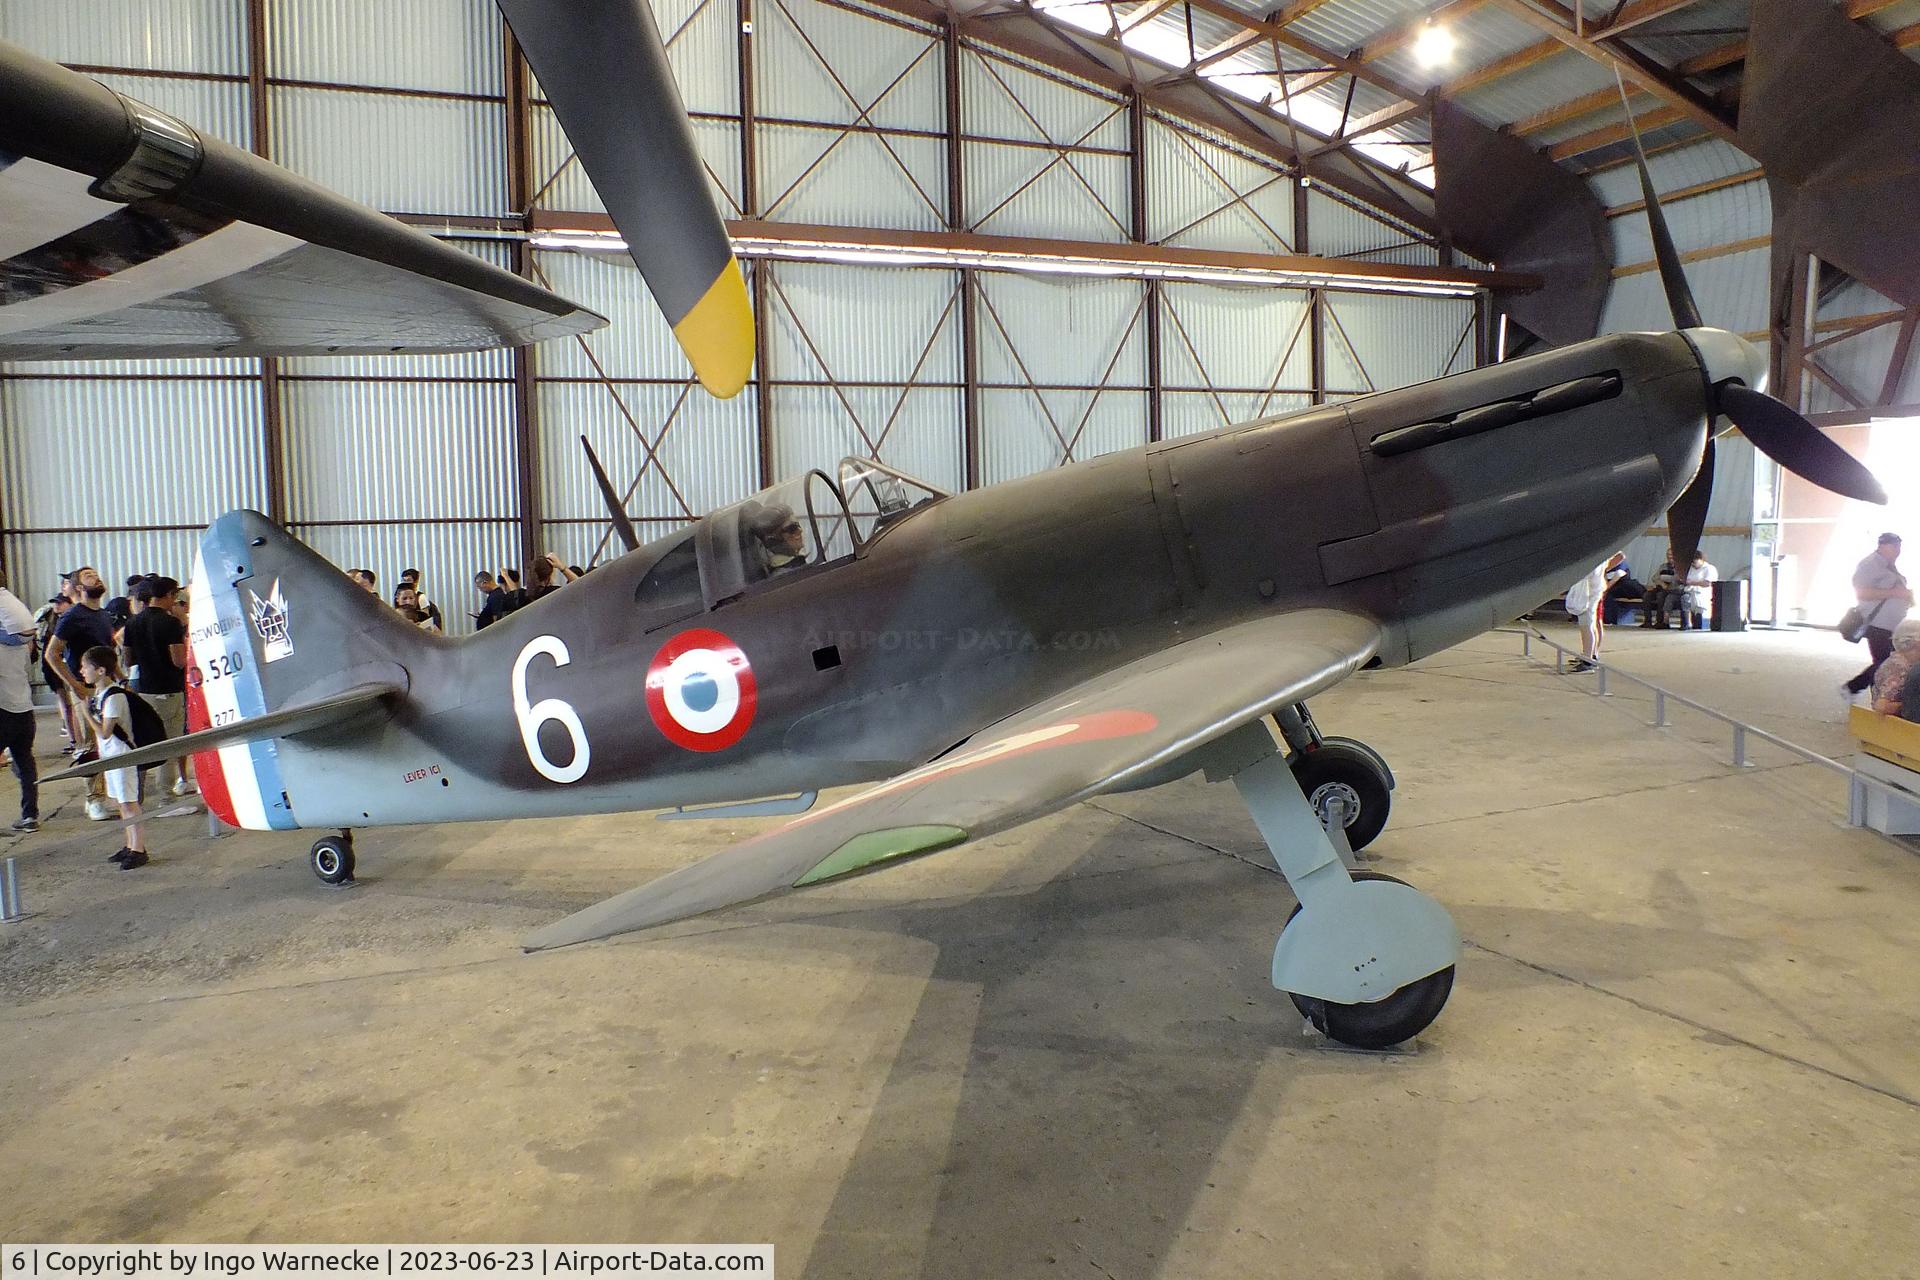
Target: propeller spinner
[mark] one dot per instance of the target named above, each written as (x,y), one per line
(1737,377)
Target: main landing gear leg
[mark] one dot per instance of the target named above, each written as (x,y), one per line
(1346,781)
(332,858)
(1367,959)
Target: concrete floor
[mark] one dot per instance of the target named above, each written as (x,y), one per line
(1685,1038)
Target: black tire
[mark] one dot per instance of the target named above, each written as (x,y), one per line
(1337,764)
(1380,1024)
(332,860)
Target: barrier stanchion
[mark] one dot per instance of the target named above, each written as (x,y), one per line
(10,909)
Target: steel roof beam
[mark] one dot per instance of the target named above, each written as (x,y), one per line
(1687,193)
(1587,104)
(1637,13)
(1607,135)
(1500,68)
(1557,21)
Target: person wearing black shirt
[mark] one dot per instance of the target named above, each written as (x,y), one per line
(83,627)
(499,603)
(156,642)
(120,608)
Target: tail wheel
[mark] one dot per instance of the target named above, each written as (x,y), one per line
(1336,769)
(1378,1024)
(332,859)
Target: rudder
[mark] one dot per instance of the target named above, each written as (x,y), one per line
(269,621)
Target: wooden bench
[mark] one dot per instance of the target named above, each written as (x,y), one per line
(1889,752)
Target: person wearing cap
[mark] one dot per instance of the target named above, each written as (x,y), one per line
(785,541)
(1884,599)
(84,627)
(120,608)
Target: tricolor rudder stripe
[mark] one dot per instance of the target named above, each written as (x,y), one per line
(229,637)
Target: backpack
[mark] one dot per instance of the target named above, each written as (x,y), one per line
(147,728)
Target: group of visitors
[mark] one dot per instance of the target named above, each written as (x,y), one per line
(502,593)
(117,668)
(1595,600)
(410,599)
(1884,600)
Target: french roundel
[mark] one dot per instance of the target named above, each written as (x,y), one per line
(700,691)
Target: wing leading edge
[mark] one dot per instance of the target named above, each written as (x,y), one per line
(1119,729)
(126,233)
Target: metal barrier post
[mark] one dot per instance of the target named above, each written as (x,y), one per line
(1739,745)
(1526,644)
(1659,708)
(1602,686)
(10,895)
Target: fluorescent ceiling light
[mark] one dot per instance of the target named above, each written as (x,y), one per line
(1434,46)
(996,259)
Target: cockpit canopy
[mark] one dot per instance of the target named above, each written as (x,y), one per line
(799,527)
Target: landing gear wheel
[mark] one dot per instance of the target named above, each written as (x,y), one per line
(332,859)
(1379,1024)
(1337,769)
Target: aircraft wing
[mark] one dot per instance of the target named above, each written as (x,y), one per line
(1116,730)
(125,233)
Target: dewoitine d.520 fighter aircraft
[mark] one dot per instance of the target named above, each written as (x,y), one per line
(981,659)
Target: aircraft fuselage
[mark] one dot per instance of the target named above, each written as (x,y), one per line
(1440,510)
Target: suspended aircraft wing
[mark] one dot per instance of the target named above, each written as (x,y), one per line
(602,65)
(1116,730)
(126,233)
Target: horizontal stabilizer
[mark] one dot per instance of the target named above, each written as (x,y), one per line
(294,718)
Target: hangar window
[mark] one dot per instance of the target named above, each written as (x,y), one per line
(671,589)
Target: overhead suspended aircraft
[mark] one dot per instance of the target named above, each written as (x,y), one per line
(125,232)
(973,661)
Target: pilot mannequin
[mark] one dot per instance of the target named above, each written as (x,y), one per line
(785,541)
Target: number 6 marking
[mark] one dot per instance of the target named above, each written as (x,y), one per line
(532,717)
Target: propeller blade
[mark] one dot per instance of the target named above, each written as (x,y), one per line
(1673,277)
(1797,444)
(1687,517)
(604,69)
(618,513)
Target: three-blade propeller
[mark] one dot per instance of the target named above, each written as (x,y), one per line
(605,70)
(1775,429)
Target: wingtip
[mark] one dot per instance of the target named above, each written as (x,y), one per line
(717,334)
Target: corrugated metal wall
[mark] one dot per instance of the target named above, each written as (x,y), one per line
(1022,185)
(1377,341)
(1205,195)
(1233,353)
(413,463)
(1062,370)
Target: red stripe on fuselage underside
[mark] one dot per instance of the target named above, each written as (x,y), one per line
(206,764)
